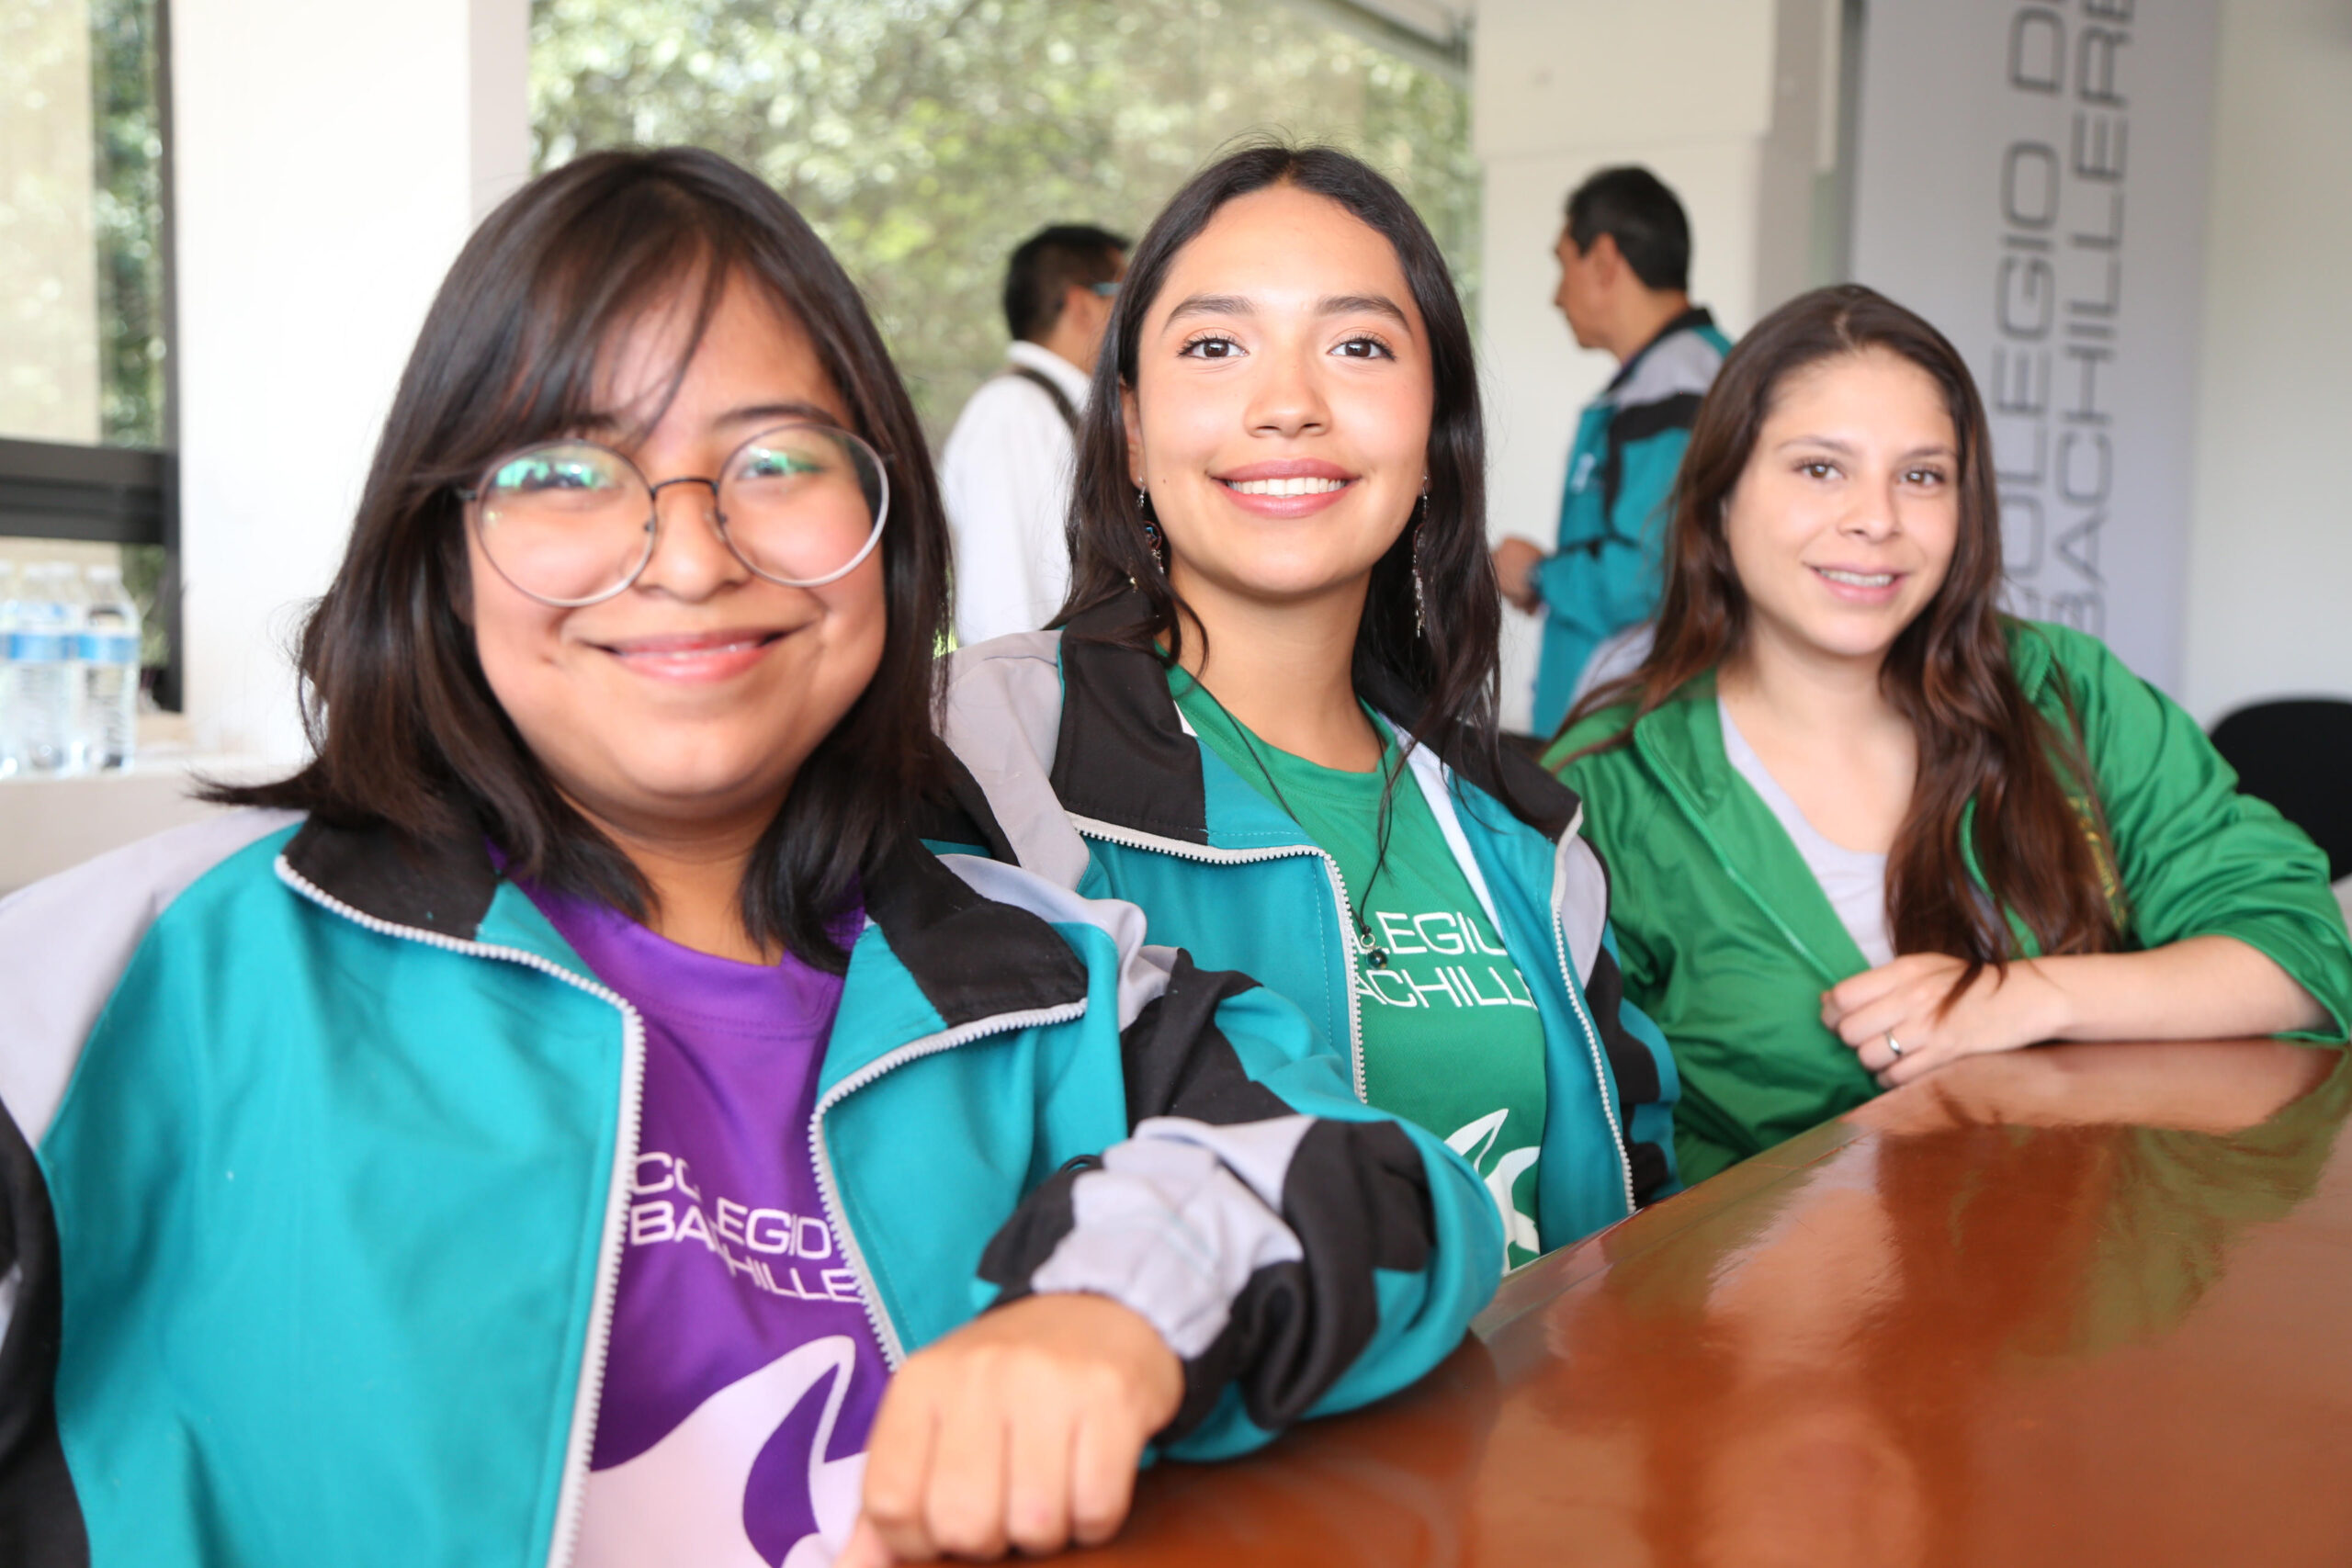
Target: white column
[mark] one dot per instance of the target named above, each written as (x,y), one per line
(328,164)
(1730,102)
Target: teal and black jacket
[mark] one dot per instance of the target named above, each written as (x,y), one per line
(1604,574)
(317,1158)
(1092,779)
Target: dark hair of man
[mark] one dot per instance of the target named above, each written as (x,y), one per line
(1446,675)
(1633,208)
(1047,266)
(1979,739)
(406,729)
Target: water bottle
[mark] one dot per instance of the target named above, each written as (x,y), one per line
(9,760)
(107,724)
(40,655)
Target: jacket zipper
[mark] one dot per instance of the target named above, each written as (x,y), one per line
(885,1333)
(572,1496)
(1689,810)
(1090,828)
(1584,1019)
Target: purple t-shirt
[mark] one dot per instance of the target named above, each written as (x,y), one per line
(742,1372)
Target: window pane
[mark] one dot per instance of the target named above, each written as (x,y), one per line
(80,264)
(924,139)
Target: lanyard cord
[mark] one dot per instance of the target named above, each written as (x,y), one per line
(1375,955)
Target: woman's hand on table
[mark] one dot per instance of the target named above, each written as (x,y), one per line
(1905,1000)
(1020,1431)
(2201,987)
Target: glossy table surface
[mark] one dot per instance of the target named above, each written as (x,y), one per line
(2074,1305)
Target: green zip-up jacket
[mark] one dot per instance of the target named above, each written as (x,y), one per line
(1728,940)
(316,1161)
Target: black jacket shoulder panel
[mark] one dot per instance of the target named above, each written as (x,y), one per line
(444,886)
(1121,755)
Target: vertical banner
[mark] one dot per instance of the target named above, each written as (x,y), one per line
(2031,177)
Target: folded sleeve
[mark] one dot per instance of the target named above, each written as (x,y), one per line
(1299,1252)
(2197,857)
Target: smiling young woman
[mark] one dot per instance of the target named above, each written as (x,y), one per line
(1866,823)
(1268,713)
(573,1119)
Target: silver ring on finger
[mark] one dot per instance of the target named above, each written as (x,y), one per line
(1895,1045)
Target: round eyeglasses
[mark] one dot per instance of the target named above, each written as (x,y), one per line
(571,522)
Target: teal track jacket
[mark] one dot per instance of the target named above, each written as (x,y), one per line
(1729,941)
(1616,509)
(1085,772)
(317,1160)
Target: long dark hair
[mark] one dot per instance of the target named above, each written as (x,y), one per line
(1440,683)
(2038,842)
(406,732)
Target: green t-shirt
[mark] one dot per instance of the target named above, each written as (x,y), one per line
(1451,1040)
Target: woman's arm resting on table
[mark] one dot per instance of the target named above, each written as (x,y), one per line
(1258,1249)
(2200,988)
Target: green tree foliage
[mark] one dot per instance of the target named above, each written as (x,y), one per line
(924,139)
(130,220)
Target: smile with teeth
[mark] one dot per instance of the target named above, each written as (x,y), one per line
(1857,579)
(701,650)
(1284,486)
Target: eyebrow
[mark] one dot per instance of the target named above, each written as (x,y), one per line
(1329,305)
(604,422)
(1846,450)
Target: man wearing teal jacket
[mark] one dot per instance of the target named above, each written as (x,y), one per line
(1624,288)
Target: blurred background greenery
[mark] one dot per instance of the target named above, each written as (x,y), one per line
(924,139)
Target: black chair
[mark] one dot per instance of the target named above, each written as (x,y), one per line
(2297,756)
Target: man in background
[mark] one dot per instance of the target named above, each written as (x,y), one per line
(1005,471)
(1624,288)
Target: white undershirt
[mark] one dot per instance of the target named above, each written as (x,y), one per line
(1854,882)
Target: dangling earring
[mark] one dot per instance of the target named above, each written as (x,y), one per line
(1421,609)
(1152,538)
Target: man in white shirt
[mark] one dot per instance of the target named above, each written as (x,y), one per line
(1005,471)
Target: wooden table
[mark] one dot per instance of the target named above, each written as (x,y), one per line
(2076,1306)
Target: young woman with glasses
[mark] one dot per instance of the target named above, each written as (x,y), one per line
(573,1119)
(1866,823)
(1268,714)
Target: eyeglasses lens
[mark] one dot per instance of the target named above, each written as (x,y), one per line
(571,522)
(567,522)
(801,503)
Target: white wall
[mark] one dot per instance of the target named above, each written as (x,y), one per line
(1727,102)
(2270,533)
(329,163)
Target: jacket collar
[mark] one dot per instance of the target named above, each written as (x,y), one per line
(1683,738)
(1123,755)
(1696,317)
(1681,741)
(1683,735)
(971,958)
(2032,662)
